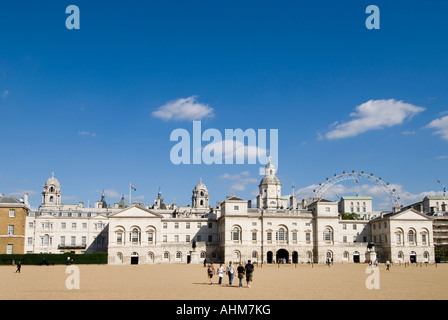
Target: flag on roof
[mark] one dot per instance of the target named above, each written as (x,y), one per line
(438,181)
(132,187)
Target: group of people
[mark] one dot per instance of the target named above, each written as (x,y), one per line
(246,271)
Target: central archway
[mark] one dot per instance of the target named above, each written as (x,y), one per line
(282,254)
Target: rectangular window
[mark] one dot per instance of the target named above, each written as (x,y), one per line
(73,241)
(30,224)
(12,213)
(11,230)
(150,237)
(344,239)
(62,240)
(73,225)
(308,237)
(354,226)
(424,238)
(119,237)
(210,238)
(176,225)
(188,225)
(187,238)
(236,208)
(63,225)
(165,238)
(254,236)
(199,224)
(84,240)
(269,236)
(210,225)
(9,249)
(176,238)
(294,236)
(84,225)
(30,240)
(165,225)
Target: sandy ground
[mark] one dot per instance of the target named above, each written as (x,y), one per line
(189,282)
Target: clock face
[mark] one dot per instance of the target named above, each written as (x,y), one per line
(271,191)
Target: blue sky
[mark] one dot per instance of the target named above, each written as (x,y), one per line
(82,102)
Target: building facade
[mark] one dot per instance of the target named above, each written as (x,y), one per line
(13,214)
(277,229)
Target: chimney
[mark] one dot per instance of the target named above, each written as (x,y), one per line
(25,199)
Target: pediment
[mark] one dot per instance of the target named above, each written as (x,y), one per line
(410,214)
(135,212)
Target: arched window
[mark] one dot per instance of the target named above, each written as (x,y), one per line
(51,199)
(236,256)
(135,235)
(411,236)
(327,234)
(178,255)
(282,234)
(236,234)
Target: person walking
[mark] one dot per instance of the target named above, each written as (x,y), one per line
(387,265)
(210,272)
(220,272)
(249,268)
(230,272)
(240,271)
(19,266)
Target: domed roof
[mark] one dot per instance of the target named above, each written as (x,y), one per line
(52,181)
(4,199)
(270,180)
(200,186)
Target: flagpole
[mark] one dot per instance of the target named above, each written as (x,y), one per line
(130,201)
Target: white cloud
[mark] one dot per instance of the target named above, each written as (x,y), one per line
(441,126)
(240,180)
(87,134)
(374,115)
(21,192)
(183,109)
(227,150)
(5,94)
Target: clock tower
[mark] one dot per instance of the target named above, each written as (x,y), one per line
(270,190)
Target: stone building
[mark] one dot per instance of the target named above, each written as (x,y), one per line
(278,229)
(13,213)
